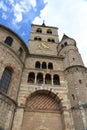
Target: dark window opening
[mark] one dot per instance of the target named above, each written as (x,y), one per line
(37,65)
(51,40)
(48,40)
(80,81)
(39,30)
(31,77)
(44,65)
(49,31)
(20,51)
(37,39)
(73,96)
(56,80)
(50,66)
(40,78)
(62,45)
(73,59)
(48,79)
(6,79)
(8,41)
(65,43)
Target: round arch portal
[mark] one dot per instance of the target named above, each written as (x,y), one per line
(43,111)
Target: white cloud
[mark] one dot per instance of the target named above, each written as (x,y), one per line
(33,2)
(19,8)
(11,2)
(70,17)
(3,6)
(4,16)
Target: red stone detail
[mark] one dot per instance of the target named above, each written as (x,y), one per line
(43,101)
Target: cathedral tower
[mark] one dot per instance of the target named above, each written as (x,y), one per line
(43,100)
(42,86)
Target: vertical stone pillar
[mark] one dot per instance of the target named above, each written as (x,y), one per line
(68,120)
(43,78)
(35,78)
(17,123)
(52,80)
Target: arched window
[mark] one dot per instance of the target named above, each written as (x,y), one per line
(37,65)
(31,77)
(53,40)
(8,40)
(50,65)
(39,30)
(37,38)
(6,79)
(56,80)
(48,79)
(49,31)
(40,78)
(49,40)
(44,66)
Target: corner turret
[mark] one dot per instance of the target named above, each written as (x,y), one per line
(67,48)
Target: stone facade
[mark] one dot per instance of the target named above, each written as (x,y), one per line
(42,86)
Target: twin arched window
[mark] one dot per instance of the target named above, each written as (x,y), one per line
(63,45)
(6,79)
(37,38)
(49,31)
(8,40)
(44,65)
(51,40)
(40,80)
(39,30)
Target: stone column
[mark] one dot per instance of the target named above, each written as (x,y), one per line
(17,123)
(35,78)
(68,121)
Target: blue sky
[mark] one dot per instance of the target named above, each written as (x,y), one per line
(70,16)
(19,15)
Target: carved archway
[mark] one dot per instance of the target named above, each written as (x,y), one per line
(43,111)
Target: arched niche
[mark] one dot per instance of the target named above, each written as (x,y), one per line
(43,110)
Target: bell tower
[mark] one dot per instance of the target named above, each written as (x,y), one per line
(43,40)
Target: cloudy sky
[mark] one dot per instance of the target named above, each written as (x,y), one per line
(70,16)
